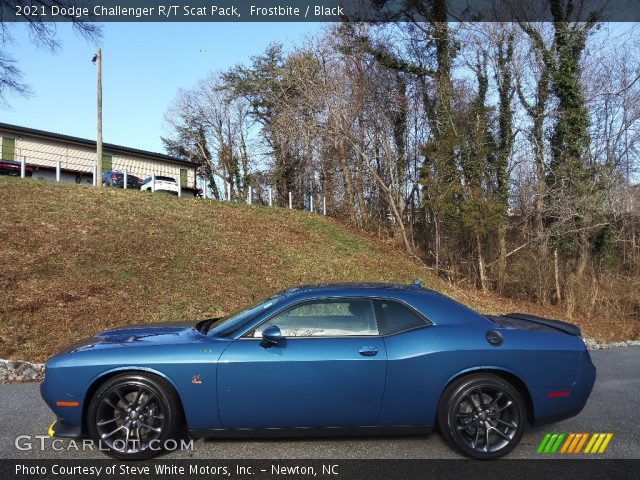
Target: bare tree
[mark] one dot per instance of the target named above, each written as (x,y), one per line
(209,127)
(503,156)
(42,33)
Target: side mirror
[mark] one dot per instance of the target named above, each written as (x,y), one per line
(272,334)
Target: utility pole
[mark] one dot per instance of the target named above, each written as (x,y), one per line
(97,59)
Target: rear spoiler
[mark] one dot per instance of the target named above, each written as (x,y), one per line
(557,324)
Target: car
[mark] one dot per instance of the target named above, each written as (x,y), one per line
(162,184)
(115,178)
(335,358)
(12,168)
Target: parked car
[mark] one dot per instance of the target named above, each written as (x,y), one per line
(162,184)
(335,359)
(9,167)
(115,178)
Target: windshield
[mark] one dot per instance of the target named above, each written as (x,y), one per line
(229,324)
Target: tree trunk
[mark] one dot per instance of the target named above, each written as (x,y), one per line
(575,279)
(481,267)
(502,257)
(542,272)
(539,219)
(437,241)
(212,184)
(556,272)
(593,297)
(348,185)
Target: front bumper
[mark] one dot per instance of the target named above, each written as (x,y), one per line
(68,422)
(59,429)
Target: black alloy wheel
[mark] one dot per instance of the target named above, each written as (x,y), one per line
(482,415)
(131,416)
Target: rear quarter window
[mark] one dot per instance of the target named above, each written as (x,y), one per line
(395,317)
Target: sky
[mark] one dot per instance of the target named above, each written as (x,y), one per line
(143,66)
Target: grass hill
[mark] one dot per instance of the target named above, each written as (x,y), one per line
(75,260)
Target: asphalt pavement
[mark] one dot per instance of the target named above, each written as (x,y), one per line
(612,407)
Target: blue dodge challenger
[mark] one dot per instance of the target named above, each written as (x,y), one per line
(342,358)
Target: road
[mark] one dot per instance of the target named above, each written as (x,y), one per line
(611,408)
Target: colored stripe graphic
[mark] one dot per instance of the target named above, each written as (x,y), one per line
(591,443)
(567,442)
(596,445)
(550,443)
(558,442)
(607,439)
(581,443)
(543,443)
(573,443)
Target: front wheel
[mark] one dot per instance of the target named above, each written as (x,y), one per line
(131,416)
(482,416)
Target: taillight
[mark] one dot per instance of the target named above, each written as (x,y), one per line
(114,176)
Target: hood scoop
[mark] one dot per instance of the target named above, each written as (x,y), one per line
(126,337)
(167,332)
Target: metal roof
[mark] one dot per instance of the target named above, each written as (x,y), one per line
(92,143)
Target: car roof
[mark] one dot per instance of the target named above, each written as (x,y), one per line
(437,307)
(370,287)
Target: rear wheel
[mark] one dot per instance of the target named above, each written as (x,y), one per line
(482,416)
(131,416)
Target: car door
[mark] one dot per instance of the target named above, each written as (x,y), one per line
(414,364)
(327,371)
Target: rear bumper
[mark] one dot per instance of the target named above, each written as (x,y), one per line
(161,187)
(550,409)
(558,417)
(164,188)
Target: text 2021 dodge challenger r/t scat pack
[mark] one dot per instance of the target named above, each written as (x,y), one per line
(349,358)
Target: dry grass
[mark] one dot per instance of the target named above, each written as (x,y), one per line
(76,260)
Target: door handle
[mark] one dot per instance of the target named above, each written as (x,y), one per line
(368,351)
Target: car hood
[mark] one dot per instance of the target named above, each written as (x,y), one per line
(142,334)
(147,329)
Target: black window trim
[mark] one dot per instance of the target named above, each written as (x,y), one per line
(427,322)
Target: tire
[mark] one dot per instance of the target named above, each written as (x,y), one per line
(133,410)
(491,409)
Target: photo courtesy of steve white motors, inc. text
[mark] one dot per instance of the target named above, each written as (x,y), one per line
(176,12)
(173,469)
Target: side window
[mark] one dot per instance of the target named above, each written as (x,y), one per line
(325,318)
(394,317)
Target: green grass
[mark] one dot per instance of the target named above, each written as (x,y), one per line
(76,260)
